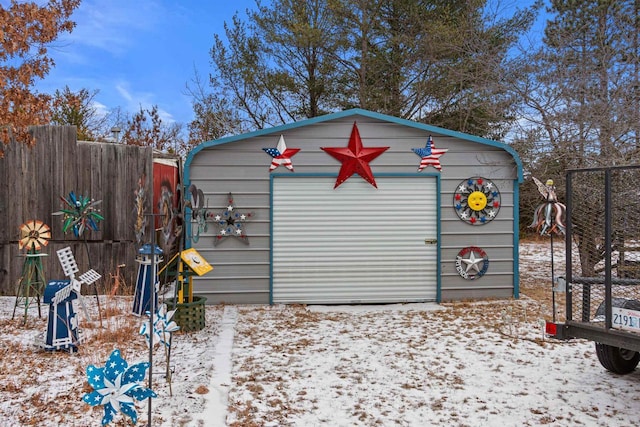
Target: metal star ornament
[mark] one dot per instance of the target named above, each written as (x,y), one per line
(231,223)
(355,158)
(281,155)
(430,155)
(477,201)
(472,263)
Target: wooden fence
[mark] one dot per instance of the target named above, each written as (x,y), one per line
(32,182)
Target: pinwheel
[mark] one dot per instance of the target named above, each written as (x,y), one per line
(163,327)
(116,386)
(80,214)
(34,234)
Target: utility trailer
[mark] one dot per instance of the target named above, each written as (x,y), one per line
(602,277)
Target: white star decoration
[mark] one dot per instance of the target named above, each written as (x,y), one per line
(115,393)
(472,262)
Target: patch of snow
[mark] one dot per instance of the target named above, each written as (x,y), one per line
(485,363)
(215,410)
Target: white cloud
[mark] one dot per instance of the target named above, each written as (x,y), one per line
(110,26)
(134,100)
(124,92)
(100,109)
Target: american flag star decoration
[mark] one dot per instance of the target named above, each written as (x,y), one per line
(231,223)
(430,155)
(281,155)
(117,386)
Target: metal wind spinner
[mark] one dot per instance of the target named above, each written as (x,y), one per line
(62,326)
(70,268)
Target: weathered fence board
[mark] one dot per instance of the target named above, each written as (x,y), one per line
(32,181)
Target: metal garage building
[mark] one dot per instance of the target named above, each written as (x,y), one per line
(355,207)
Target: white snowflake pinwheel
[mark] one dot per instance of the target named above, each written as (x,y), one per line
(116,386)
(163,327)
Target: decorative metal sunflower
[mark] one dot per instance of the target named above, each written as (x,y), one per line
(34,234)
(80,214)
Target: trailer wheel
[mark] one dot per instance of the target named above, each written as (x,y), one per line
(617,360)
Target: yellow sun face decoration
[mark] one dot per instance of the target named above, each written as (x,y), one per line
(477,200)
(34,234)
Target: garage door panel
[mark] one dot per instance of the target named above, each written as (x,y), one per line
(355,243)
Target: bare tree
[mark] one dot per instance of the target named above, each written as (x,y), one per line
(78,109)
(213,116)
(146,128)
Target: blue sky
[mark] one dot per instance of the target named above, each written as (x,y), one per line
(143,52)
(140,52)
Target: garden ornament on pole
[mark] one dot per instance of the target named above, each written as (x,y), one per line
(548,219)
(80,213)
(34,235)
(117,386)
(146,278)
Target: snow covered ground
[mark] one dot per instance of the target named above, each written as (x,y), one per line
(455,364)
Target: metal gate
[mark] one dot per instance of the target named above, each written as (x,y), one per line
(603,255)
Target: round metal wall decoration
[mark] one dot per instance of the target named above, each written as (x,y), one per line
(472,263)
(476,201)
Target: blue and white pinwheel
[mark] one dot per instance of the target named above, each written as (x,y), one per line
(163,327)
(116,386)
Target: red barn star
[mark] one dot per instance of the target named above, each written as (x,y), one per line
(355,158)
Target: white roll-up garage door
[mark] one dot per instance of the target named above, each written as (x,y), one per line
(355,243)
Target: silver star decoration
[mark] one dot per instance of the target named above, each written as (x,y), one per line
(472,262)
